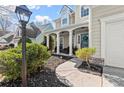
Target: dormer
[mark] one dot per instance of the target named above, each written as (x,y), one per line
(65,14)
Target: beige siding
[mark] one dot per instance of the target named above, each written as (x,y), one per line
(58,23)
(98,13)
(72,18)
(71,21)
(78,18)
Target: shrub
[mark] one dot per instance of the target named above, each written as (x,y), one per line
(11,45)
(36,55)
(85,54)
(8,61)
(75,49)
(27,41)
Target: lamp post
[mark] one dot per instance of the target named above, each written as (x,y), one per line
(23,15)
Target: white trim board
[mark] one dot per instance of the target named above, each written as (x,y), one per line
(89,28)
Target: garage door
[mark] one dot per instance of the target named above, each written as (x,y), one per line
(115,44)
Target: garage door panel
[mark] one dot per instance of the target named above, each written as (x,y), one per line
(115,43)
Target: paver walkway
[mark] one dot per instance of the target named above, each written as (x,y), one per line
(68,74)
(1,77)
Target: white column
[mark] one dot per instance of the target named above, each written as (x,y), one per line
(48,41)
(58,43)
(70,43)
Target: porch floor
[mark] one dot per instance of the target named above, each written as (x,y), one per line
(63,54)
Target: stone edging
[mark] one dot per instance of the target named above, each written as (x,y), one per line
(64,80)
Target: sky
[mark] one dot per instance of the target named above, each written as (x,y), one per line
(40,13)
(45,12)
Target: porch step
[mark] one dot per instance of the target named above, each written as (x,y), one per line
(65,56)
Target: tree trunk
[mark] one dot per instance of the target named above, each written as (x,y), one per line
(87,61)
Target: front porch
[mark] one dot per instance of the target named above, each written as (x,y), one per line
(68,39)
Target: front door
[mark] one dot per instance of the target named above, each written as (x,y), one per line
(84,40)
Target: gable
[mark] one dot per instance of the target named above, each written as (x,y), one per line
(65,10)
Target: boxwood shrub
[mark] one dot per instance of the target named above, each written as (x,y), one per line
(36,55)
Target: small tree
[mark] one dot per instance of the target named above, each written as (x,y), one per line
(85,54)
(5,22)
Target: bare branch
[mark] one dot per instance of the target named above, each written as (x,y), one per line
(4,22)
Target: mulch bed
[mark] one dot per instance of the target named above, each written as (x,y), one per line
(43,78)
(94,69)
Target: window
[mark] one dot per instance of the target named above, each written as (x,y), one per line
(64,21)
(84,11)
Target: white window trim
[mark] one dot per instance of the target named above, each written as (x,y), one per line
(62,25)
(80,37)
(78,44)
(104,21)
(89,27)
(84,17)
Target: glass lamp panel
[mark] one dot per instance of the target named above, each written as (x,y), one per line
(23,13)
(24,17)
(18,16)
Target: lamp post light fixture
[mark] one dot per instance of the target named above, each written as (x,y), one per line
(23,15)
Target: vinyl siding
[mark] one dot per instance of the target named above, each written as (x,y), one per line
(98,13)
(78,18)
(58,23)
(72,19)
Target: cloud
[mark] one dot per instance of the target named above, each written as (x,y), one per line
(49,5)
(43,19)
(34,7)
